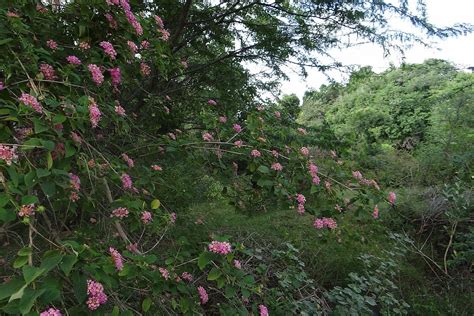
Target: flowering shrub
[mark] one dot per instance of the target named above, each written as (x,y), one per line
(88,214)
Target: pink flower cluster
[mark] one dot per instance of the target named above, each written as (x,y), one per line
(304,151)
(73,60)
(313,171)
(320,223)
(8,154)
(75,184)
(300,198)
(117,258)
(156,168)
(277,166)
(96,73)
(145,69)
(238,143)
(187,276)
(263,310)
(127,183)
(144,44)
(48,71)
(94,114)
(31,101)
(116,76)
(237,264)
(392,197)
(255,153)
(375,213)
(204,298)
(146,217)
(128,160)
(211,102)
(120,110)
(112,22)
(27,210)
(277,114)
(129,14)
(51,312)
(173,217)
(84,46)
(222,119)
(97,297)
(302,131)
(76,138)
(368,182)
(220,247)
(120,212)
(2,85)
(165,35)
(52,44)
(108,49)
(164,273)
(133,47)
(207,137)
(237,128)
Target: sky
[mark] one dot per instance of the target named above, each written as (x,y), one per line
(458,50)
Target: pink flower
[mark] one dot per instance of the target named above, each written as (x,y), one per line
(52,44)
(207,137)
(108,49)
(127,183)
(94,114)
(211,102)
(184,63)
(203,295)
(133,248)
(97,297)
(159,22)
(96,73)
(120,212)
(277,114)
(220,247)
(116,76)
(145,44)
(128,160)
(145,69)
(173,217)
(330,223)
(222,119)
(8,154)
(263,310)
(255,153)
(133,20)
(172,136)
(165,273)
(237,128)
(318,223)
(27,210)
(112,22)
(12,14)
(300,198)
(237,264)
(357,175)
(76,138)
(238,143)
(392,197)
(187,276)
(304,151)
(120,110)
(375,213)
(2,85)
(31,101)
(73,60)
(133,47)
(84,46)
(165,35)
(301,209)
(117,258)
(156,168)
(51,312)
(74,182)
(302,131)
(277,166)
(146,217)
(74,197)
(48,71)
(275,154)
(313,170)
(316,180)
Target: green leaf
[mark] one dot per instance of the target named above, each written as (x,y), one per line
(7,216)
(115,311)
(68,263)
(70,149)
(39,126)
(49,188)
(13,286)
(18,294)
(263,169)
(146,304)
(4,199)
(30,180)
(31,273)
(50,260)
(155,204)
(20,262)
(204,259)
(5,41)
(41,173)
(79,285)
(370,301)
(28,299)
(25,251)
(59,118)
(264,183)
(49,145)
(214,274)
(49,159)
(29,199)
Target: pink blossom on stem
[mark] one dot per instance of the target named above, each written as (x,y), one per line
(96,73)
(112,22)
(120,110)
(301,209)
(304,151)
(84,46)
(173,217)
(145,69)
(318,223)
(51,312)
(300,198)
(357,175)
(52,44)
(392,197)
(204,298)
(2,85)
(108,49)
(73,60)
(316,180)
(144,44)
(222,119)
(207,137)
(31,101)
(48,72)
(74,182)
(375,213)
(255,153)
(237,264)
(27,210)
(165,273)
(94,114)
(237,128)
(115,75)
(8,154)
(97,297)
(128,160)
(313,170)
(76,138)
(220,247)
(302,131)
(117,258)
(156,168)
(133,47)
(127,183)
(211,102)
(277,166)
(146,217)
(120,212)
(238,143)
(263,310)
(187,276)
(277,114)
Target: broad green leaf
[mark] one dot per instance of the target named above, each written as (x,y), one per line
(263,169)
(146,304)
(20,262)
(214,274)
(31,273)
(29,199)
(204,259)
(68,263)
(39,126)
(41,173)
(13,286)
(25,251)
(28,299)
(49,159)
(155,204)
